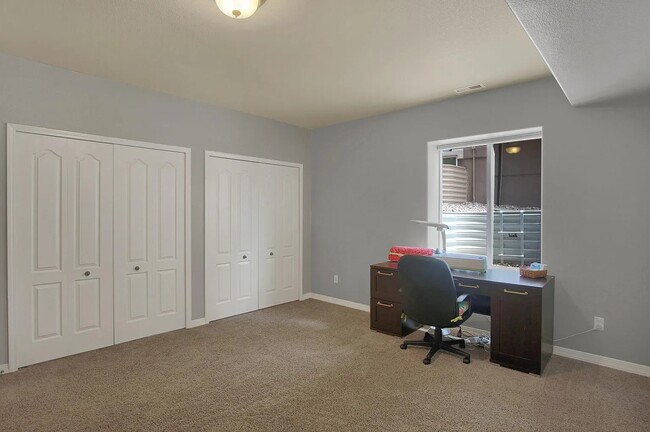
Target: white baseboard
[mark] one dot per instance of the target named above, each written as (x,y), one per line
(334,300)
(609,362)
(4,368)
(305,296)
(197,322)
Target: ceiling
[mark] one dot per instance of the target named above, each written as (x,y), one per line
(309,63)
(597,50)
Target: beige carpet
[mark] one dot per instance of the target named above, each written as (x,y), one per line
(310,366)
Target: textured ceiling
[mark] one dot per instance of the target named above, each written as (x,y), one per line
(309,63)
(597,49)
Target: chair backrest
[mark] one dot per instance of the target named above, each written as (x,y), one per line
(428,290)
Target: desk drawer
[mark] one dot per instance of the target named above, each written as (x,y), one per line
(386,316)
(517,329)
(489,288)
(384,284)
(470,286)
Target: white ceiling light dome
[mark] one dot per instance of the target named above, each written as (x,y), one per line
(238,9)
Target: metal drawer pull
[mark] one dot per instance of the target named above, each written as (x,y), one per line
(384,304)
(467,286)
(384,274)
(515,292)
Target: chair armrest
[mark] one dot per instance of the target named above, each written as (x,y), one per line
(461,298)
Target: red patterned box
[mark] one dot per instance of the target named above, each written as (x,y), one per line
(397,252)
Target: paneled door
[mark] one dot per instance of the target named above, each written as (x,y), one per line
(61,247)
(149,242)
(231,233)
(279,234)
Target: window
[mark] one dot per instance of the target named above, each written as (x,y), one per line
(491,197)
(450,160)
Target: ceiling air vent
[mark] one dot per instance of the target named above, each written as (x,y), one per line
(469,88)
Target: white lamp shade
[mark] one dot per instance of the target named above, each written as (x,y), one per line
(238,9)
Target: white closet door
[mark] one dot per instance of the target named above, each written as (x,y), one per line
(149,242)
(279,235)
(231,231)
(62,261)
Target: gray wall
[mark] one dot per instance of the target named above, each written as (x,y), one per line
(370,178)
(39,95)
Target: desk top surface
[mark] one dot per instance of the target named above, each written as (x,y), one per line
(509,277)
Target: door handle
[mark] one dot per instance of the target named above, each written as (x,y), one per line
(87,273)
(137,268)
(244,257)
(271,254)
(515,292)
(385,274)
(467,286)
(385,305)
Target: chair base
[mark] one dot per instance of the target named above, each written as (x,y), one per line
(436,342)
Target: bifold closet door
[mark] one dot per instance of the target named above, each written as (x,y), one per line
(279,248)
(149,242)
(62,246)
(231,237)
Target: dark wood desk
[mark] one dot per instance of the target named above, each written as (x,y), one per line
(521,329)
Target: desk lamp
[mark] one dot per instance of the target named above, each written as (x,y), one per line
(456,261)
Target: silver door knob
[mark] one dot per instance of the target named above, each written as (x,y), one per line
(244,257)
(137,268)
(271,254)
(87,273)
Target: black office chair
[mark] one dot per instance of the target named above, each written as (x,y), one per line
(429,298)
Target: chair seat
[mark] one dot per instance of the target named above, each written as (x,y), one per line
(464,307)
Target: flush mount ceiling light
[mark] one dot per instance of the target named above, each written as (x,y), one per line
(513,149)
(239,9)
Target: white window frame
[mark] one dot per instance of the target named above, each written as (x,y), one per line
(434,179)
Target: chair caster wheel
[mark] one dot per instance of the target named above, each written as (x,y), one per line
(462,344)
(403,346)
(466,360)
(426,361)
